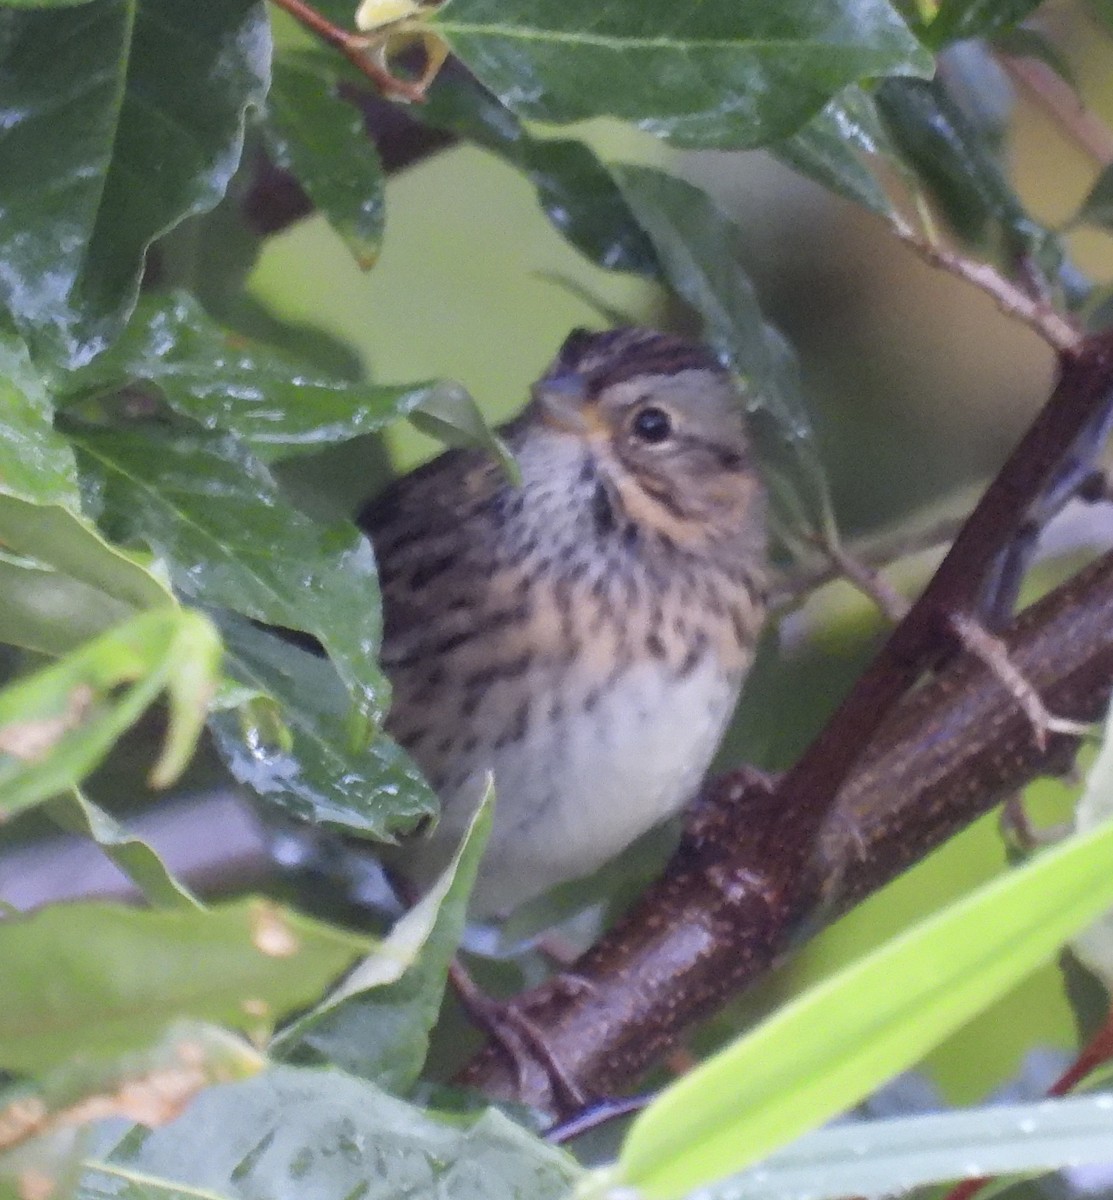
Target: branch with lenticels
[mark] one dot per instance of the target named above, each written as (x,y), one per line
(889,778)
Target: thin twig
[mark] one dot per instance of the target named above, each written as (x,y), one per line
(360,51)
(1054,328)
(869,582)
(793,583)
(1062,104)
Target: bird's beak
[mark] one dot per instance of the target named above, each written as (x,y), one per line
(560,400)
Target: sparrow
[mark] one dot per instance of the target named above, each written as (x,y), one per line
(582,635)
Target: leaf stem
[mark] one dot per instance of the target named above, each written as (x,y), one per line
(792,584)
(870,582)
(366,54)
(1053,327)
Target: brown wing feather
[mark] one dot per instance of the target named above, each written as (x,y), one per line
(435,535)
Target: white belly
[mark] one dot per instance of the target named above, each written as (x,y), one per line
(572,794)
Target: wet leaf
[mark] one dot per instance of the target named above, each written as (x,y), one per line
(300,754)
(835,146)
(151,1086)
(61,582)
(956,158)
(58,723)
(377,1022)
(99,980)
(292,1132)
(36,463)
(275,403)
(714,73)
(97,97)
(575,190)
(214,513)
(322,140)
(450,414)
(877,1158)
(76,813)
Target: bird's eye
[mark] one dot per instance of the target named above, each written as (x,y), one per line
(652,424)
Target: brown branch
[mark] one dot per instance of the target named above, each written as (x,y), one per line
(1062,104)
(1012,300)
(723,912)
(1084,389)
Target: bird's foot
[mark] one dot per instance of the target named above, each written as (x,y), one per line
(517,1036)
(974,638)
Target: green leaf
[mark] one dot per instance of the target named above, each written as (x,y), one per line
(834,147)
(450,414)
(574,189)
(148,1085)
(53,536)
(207,506)
(377,1022)
(714,73)
(51,613)
(36,463)
(956,157)
(100,979)
(833,1045)
(100,97)
(57,724)
(61,583)
(877,1158)
(45,1124)
(309,765)
(958,19)
(290,1132)
(322,140)
(76,813)
(693,239)
(270,399)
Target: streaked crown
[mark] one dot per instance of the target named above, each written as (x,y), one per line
(601,360)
